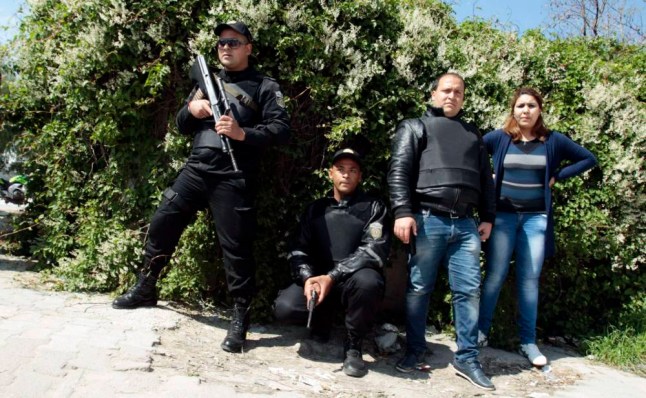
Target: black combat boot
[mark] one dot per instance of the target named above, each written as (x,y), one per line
(143,294)
(237,333)
(354,365)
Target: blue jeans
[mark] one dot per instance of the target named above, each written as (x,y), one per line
(524,235)
(455,244)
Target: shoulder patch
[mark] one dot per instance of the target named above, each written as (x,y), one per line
(375,230)
(280,100)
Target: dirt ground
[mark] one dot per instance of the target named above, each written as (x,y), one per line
(283,358)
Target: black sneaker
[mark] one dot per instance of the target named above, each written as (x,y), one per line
(472,371)
(413,361)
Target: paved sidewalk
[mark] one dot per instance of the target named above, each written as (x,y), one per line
(603,382)
(75,345)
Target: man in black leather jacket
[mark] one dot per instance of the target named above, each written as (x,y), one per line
(340,248)
(439,174)
(258,119)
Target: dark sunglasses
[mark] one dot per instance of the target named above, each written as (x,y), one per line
(232,43)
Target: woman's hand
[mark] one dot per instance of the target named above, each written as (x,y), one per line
(484,230)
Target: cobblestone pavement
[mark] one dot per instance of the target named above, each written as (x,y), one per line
(75,345)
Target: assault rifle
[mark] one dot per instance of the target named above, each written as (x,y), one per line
(217,99)
(310,307)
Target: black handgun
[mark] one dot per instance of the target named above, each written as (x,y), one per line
(310,307)
(412,247)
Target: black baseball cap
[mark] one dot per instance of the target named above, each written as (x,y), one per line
(238,26)
(347,153)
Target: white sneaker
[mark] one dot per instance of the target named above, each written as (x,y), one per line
(483,341)
(531,352)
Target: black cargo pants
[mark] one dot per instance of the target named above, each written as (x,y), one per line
(359,295)
(231,203)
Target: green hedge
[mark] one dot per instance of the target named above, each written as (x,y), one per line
(94,88)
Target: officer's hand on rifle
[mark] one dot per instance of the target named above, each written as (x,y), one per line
(200,109)
(229,126)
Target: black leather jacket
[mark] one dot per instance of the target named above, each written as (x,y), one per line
(267,125)
(339,238)
(406,197)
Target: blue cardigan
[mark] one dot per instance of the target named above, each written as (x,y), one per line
(559,148)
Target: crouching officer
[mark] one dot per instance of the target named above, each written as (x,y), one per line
(339,251)
(258,119)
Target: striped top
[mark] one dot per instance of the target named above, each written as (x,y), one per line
(523,182)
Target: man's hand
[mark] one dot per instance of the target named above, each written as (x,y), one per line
(228,126)
(552,181)
(322,284)
(484,229)
(404,227)
(200,109)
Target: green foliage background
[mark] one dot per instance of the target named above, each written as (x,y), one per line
(93,88)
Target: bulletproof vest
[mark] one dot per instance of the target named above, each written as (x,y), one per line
(451,157)
(338,230)
(345,228)
(243,109)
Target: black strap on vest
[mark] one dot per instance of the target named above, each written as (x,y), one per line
(236,92)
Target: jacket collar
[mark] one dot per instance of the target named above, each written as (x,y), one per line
(236,76)
(439,112)
(346,201)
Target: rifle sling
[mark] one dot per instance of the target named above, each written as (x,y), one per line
(236,92)
(240,95)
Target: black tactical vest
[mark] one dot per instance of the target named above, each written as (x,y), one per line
(451,156)
(243,108)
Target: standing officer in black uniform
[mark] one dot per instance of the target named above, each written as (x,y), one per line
(339,250)
(258,119)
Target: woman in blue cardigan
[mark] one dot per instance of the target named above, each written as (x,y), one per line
(528,161)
